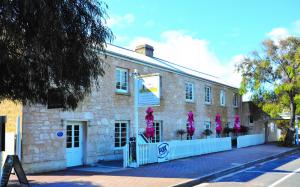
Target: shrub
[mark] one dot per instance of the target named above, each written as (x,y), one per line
(244,130)
(227,130)
(207,132)
(180,132)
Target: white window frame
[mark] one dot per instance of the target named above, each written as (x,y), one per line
(222,98)
(122,72)
(207,123)
(189,87)
(154,139)
(120,133)
(235,100)
(209,96)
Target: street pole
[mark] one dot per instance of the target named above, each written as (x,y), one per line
(297,136)
(136,115)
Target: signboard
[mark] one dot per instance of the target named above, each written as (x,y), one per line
(149,90)
(60,134)
(163,150)
(12,161)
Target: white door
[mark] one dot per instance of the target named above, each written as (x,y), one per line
(74,144)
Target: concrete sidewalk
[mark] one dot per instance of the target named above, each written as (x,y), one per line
(182,172)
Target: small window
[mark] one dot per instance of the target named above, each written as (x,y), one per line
(222,98)
(235,99)
(121,133)
(250,119)
(157,131)
(207,95)
(55,98)
(207,124)
(122,80)
(189,92)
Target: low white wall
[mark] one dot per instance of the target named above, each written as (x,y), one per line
(148,153)
(249,140)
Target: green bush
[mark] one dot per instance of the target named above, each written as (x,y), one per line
(207,132)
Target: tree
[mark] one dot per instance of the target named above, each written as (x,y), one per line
(51,45)
(273,77)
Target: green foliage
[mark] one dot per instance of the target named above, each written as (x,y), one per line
(273,76)
(207,132)
(48,44)
(280,141)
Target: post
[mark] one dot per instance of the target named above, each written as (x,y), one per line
(2,140)
(136,117)
(297,128)
(18,138)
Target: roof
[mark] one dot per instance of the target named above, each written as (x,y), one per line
(160,63)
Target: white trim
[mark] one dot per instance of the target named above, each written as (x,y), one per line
(188,84)
(207,120)
(122,71)
(159,122)
(235,100)
(222,95)
(120,133)
(210,95)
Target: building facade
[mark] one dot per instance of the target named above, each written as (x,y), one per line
(53,139)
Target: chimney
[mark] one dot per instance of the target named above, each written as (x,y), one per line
(145,49)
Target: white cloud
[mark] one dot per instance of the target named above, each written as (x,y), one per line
(277,34)
(178,47)
(121,21)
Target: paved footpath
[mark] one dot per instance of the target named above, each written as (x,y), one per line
(164,174)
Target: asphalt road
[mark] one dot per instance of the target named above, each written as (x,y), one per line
(280,172)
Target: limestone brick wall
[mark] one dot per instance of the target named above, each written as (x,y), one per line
(44,151)
(11,110)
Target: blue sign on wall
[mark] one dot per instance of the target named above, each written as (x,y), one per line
(60,134)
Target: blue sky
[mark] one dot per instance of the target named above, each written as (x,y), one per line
(219,31)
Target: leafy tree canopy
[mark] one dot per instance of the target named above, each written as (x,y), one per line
(273,77)
(49,44)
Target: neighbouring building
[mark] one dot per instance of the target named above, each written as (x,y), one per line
(260,122)
(53,139)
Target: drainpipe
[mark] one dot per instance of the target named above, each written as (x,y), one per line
(18,150)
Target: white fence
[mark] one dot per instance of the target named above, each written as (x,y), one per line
(249,140)
(148,152)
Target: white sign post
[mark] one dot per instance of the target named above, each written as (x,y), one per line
(146,93)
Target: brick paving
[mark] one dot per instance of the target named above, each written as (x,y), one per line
(162,174)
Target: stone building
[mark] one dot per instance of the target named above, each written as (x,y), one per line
(53,139)
(260,122)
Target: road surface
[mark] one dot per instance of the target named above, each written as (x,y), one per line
(280,172)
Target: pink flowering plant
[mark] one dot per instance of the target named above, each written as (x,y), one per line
(191,126)
(218,124)
(149,121)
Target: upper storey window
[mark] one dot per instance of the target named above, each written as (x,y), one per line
(122,80)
